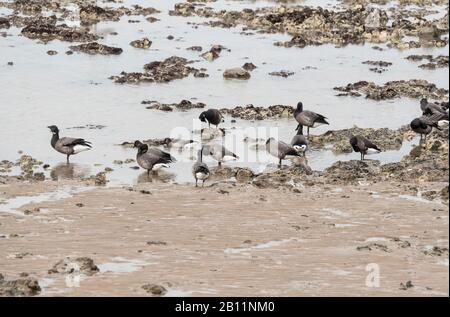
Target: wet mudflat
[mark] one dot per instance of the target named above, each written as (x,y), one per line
(117,72)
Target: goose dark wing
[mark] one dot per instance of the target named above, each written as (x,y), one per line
(73,141)
(161,155)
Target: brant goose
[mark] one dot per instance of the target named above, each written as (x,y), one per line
(68,146)
(177,143)
(220,153)
(299,141)
(430,108)
(364,146)
(424,125)
(152,159)
(200,170)
(308,118)
(212,116)
(280,149)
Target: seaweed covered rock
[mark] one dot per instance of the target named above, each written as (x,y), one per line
(24,286)
(413,88)
(384,138)
(351,171)
(161,72)
(94,48)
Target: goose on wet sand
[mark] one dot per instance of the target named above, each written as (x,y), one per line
(200,170)
(68,146)
(299,141)
(363,145)
(308,118)
(220,153)
(152,159)
(424,125)
(280,149)
(212,116)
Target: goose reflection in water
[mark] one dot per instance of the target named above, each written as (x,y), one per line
(69,171)
(161,177)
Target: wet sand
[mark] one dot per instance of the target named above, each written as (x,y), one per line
(230,239)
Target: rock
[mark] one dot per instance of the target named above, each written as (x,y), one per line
(406,286)
(236,73)
(444,193)
(100,179)
(244,175)
(154,289)
(213,53)
(52,53)
(373,246)
(250,112)
(144,43)
(413,88)
(96,48)
(182,105)
(249,66)
(4,23)
(83,265)
(195,48)
(351,171)
(156,243)
(282,73)
(48,31)
(25,286)
(378,63)
(161,72)
(376,19)
(384,138)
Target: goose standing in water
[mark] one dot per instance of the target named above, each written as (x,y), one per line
(363,145)
(68,146)
(152,159)
(424,125)
(212,116)
(220,153)
(200,170)
(299,142)
(280,149)
(308,118)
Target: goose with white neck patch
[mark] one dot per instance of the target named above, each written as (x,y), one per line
(152,159)
(68,146)
(200,170)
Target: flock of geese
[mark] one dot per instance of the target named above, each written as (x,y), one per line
(153,159)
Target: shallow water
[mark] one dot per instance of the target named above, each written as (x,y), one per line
(12,205)
(69,91)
